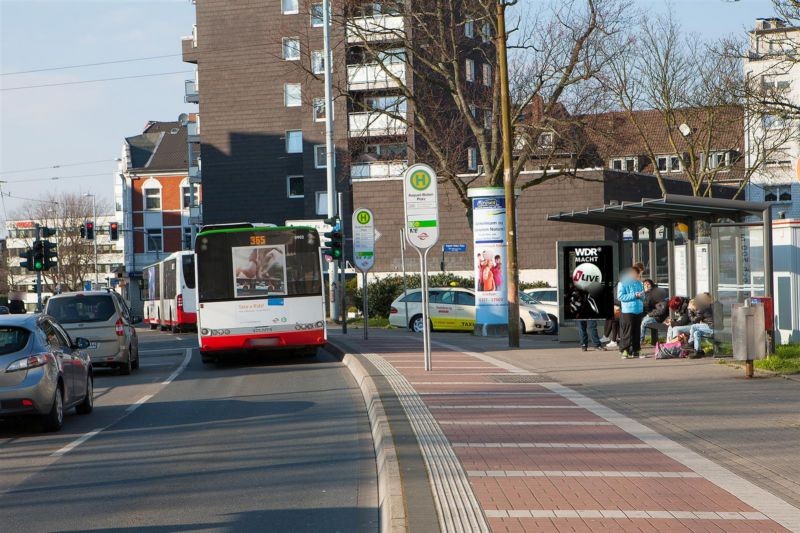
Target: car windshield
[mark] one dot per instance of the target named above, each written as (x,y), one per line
(528,299)
(13,339)
(79,308)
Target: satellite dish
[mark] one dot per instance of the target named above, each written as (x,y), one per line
(685,130)
(183,118)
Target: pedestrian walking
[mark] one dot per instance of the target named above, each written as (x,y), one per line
(630,293)
(586,329)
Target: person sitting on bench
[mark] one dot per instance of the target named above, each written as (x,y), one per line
(702,322)
(655,308)
(678,320)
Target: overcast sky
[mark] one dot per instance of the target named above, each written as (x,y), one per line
(82,123)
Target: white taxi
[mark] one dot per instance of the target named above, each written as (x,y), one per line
(453,308)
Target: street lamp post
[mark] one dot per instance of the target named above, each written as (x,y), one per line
(94,241)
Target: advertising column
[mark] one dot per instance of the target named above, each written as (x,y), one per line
(489,237)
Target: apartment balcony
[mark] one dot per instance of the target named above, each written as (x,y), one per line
(375,28)
(193,131)
(375,124)
(189,47)
(378,170)
(373,76)
(192,96)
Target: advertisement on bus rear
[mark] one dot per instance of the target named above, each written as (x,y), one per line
(587,275)
(259,271)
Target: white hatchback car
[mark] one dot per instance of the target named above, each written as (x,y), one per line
(453,308)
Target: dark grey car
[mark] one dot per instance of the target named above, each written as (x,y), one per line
(42,372)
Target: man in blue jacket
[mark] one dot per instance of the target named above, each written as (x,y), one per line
(630,293)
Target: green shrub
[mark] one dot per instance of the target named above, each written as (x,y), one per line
(525,285)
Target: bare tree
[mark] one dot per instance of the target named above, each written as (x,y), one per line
(65,212)
(700,95)
(436,61)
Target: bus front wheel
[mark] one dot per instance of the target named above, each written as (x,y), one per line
(207,358)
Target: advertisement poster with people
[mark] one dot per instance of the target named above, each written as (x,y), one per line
(259,271)
(489,230)
(587,275)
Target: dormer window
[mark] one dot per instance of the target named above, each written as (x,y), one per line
(546,139)
(669,163)
(625,164)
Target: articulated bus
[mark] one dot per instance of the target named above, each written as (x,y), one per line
(259,287)
(171,301)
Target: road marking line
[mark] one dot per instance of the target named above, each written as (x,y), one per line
(77,442)
(440,406)
(525,423)
(132,407)
(479,393)
(491,383)
(175,351)
(181,368)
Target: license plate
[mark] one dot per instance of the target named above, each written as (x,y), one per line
(92,345)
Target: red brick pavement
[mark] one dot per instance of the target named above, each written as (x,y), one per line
(523,485)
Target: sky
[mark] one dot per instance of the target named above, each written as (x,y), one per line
(79,128)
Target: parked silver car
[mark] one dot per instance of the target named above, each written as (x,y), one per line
(42,372)
(103,318)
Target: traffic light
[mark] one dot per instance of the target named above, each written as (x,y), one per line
(50,254)
(27,255)
(47,232)
(113,231)
(334,245)
(89,231)
(38,255)
(83,231)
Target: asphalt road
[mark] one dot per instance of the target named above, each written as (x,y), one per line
(250,445)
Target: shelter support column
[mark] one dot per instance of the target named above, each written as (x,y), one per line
(635,255)
(691,270)
(769,275)
(651,251)
(671,258)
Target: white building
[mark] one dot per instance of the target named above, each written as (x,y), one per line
(65,276)
(773,65)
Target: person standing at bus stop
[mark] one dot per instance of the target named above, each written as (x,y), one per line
(630,293)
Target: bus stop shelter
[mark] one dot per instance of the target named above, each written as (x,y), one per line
(667,212)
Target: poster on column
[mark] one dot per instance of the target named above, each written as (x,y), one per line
(489,234)
(587,276)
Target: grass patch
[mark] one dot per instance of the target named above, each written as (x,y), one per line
(374,322)
(785,361)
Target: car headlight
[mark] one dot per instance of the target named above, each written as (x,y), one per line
(538,315)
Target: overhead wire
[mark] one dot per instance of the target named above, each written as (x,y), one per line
(66,67)
(60,165)
(81,82)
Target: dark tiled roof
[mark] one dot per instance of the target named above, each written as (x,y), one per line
(161,147)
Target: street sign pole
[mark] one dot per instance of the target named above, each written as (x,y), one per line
(364,254)
(38,232)
(421,228)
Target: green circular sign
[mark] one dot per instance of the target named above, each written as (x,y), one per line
(420,180)
(363,217)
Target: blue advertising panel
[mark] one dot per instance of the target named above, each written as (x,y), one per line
(489,234)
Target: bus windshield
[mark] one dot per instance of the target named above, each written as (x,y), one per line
(257,263)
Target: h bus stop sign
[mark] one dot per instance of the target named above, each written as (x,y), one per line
(421,228)
(364,253)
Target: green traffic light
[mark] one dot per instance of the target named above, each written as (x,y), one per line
(37,265)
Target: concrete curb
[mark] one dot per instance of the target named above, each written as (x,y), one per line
(391,497)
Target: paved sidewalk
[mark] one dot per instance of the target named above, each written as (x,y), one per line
(523,453)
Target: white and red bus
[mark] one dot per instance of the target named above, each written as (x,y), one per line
(171,301)
(259,287)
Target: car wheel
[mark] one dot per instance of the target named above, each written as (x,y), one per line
(54,420)
(135,363)
(86,406)
(552,329)
(522,327)
(127,367)
(417,325)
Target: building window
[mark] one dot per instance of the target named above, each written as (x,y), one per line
(290,7)
(294,186)
(487,119)
(291,48)
(487,74)
(719,159)
(292,95)
(778,193)
(470,70)
(473,110)
(472,158)
(152,199)
(322,202)
(469,28)
(318,108)
(486,32)
(186,197)
(772,83)
(154,241)
(316,15)
(546,139)
(187,238)
(318,62)
(320,156)
(625,164)
(294,142)
(773,122)
(669,163)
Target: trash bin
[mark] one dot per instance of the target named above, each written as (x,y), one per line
(749,334)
